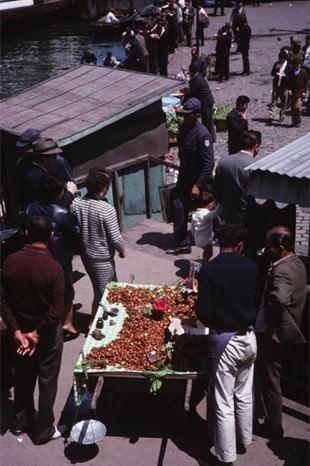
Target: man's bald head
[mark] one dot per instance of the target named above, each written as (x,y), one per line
(279,242)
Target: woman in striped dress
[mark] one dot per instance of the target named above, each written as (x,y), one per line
(100,233)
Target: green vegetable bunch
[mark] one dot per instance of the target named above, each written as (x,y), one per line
(220,112)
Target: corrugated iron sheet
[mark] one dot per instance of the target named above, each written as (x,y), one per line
(292,160)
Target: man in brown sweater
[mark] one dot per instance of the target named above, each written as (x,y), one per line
(32,308)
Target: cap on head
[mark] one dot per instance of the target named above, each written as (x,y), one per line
(27,138)
(192,105)
(45,146)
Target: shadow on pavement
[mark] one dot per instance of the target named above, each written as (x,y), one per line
(162,241)
(183,265)
(297,414)
(291,450)
(77,453)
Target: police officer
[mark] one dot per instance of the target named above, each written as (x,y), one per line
(195,172)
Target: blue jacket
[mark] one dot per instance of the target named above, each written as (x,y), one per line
(65,229)
(196,157)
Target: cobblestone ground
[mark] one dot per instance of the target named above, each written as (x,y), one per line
(265,46)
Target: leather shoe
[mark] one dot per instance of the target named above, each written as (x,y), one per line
(241,450)
(17,432)
(179,250)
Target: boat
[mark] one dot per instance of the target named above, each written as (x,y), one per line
(19,15)
(113,31)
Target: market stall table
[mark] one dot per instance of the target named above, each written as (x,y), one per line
(164,379)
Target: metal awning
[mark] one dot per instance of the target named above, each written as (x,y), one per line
(284,175)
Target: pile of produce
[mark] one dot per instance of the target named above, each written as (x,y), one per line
(144,343)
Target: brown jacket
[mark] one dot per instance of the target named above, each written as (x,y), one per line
(284,298)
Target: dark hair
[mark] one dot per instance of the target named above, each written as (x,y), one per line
(250,139)
(39,229)
(242,99)
(97,179)
(284,239)
(231,234)
(205,198)
(193,68)
(49,189)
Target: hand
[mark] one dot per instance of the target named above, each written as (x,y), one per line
(290,92)
(122,255)
(33,340)
(20,340)
(244,115)
(169,157)
(71,187)
(195,191)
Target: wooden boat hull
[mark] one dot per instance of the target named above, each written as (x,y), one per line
(16,19)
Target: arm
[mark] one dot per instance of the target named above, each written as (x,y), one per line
(216,184)
(7,314)
(204,303)
(56,300)
(236,125)
(207,158)
(113,232)
(279,297)
(64,169)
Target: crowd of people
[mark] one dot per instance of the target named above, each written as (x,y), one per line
(239,311)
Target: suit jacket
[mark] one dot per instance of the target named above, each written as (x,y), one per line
(245,37)
(236,126)
(284,300)
(229,186)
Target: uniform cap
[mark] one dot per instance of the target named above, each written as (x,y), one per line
(27,138)
(191,105)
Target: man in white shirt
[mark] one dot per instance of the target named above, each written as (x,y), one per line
(111,18)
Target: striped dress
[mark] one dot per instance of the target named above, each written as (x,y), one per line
(101,237)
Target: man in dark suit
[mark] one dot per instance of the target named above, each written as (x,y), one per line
(199,88)
(279,318)
(219,3)
(244,45)
(238,16)
(231,179)
(237,123)
(223,43)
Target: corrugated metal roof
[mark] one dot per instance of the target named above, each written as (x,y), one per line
(82,101)
(292,160)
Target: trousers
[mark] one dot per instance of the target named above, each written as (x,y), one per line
(44,366)
(180,206)
(233,395)
(271,356)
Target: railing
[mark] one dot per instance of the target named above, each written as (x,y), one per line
(146,161)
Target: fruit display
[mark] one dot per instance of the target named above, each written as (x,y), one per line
(144,342)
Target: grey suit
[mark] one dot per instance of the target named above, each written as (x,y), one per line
(229,186)
(284,300)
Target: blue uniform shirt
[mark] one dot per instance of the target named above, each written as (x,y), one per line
(196,157)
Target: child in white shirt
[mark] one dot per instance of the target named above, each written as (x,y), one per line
(202,223)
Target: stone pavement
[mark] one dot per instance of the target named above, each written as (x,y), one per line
(288,18)
(138,444)
(148,432)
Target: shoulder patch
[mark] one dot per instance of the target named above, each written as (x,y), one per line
(207,143)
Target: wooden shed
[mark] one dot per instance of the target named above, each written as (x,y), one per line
(99,116)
